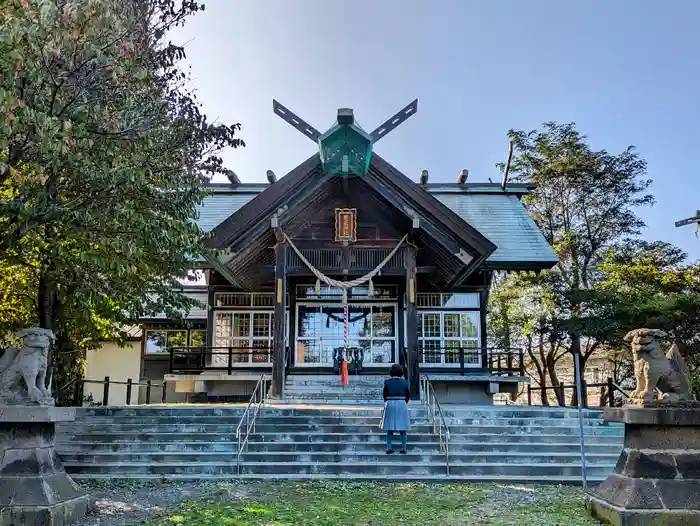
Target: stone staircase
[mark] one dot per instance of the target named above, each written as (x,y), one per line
(334,440)
(325,389)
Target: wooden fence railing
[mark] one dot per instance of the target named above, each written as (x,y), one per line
(561,391)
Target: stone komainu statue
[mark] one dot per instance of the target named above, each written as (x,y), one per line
(23,371)
(656,371)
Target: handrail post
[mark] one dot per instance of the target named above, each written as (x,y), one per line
(562,395)
(105,392)
(611,393)
(529,395)
(521,356)
(164,393)
(509,361)
(129,384)
(148,392)
(172,360)
(77,396)
(230,360)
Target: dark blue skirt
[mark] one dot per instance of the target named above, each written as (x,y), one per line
(396,417)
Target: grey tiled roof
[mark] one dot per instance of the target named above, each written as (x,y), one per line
(504,221)
(499,216)
(218,206)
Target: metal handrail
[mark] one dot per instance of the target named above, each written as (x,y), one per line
(440,426)
(257,400)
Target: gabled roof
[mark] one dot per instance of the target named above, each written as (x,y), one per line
(457,247)
(497,214)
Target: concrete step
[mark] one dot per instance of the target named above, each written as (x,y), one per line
(573,448)
(130,438)
(307,440)
(180,446)
(362,456)
(398,464)
(322,401)
(473,430)
(442,478)
(323,419)
(455,447)
(385,467)
(155,410)
(283,407)
(176,437)
(323,436)
(333,380)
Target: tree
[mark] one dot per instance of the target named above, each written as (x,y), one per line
(520,314)
(650,284)
(104,153)
(584,203)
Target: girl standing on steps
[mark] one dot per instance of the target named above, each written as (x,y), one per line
(396,418)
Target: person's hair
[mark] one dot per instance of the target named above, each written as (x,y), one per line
(396,371)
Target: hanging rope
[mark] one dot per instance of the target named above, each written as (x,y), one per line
(345,285)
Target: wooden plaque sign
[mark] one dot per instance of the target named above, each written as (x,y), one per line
(346,224)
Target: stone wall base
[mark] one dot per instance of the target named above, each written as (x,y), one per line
(657,477)
(61,514)
(617,516)
(34,488)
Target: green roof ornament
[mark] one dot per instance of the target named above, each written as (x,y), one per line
(345,149)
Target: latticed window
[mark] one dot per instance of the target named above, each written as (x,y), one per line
(442,336)
(244,332)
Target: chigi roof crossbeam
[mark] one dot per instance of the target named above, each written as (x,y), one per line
(345,148)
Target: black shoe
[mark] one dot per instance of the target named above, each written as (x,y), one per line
(403,451)
(389,451)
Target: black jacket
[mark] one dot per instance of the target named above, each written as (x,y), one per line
(396,387)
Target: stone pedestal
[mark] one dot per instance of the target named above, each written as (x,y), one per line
(34,487)
(657,477)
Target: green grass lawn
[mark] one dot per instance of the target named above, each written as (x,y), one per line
(380,504)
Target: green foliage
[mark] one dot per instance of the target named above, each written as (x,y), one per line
(104,153)
(652,285)
(585,203)
(350,503)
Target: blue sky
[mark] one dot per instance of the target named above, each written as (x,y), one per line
(625,71)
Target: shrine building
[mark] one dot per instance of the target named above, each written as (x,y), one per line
(345,257)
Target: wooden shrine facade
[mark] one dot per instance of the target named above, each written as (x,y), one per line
(285,258)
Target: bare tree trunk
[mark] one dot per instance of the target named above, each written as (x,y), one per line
(554,378)
(540,366)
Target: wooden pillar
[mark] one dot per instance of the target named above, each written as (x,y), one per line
(411,336)
(483,311)
(278,358)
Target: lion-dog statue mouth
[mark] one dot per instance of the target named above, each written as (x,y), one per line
(665,375)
